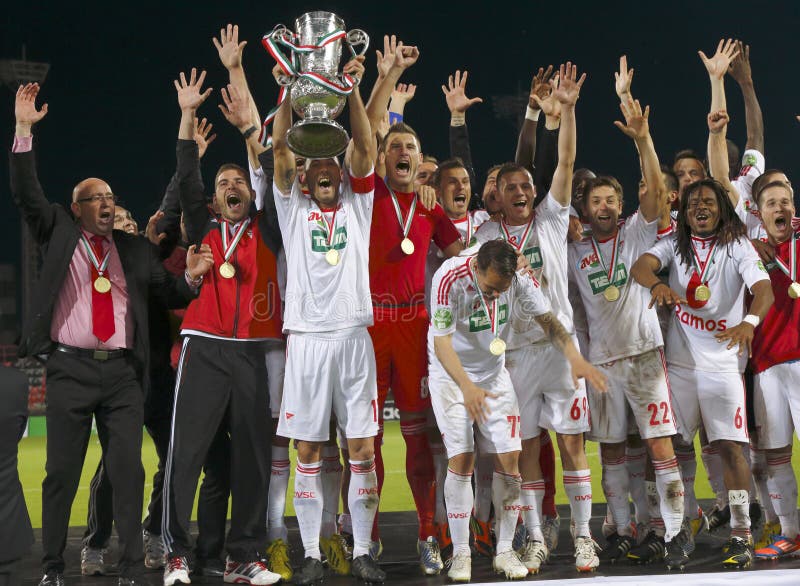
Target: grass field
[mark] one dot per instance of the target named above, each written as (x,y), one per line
(396,495)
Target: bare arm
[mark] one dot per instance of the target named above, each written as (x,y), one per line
(404,57)
(566,92)
(474,396)
(526,142)
(740,71)
(644,272)
(364,148)
(285,169)
(742,334)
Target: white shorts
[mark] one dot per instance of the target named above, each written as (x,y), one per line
(717,399)
(275,357)
(542,379)
(329,371)
(500,433)
(776,404)
(638,392)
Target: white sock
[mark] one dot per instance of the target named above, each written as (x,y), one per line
(484,469)
(654,508)
(531,496)
(440,470)
(635,462)
(687,461)
(713,464)
(758,468)
(505,495)
(670,492)
(362,499)
(459,499)
(578,486)
(783,492)
(739,501)
(276,497)
(615,487)
(331,487)
(308,505)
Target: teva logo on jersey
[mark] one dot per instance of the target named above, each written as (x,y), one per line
(319,239)
(598,281)
(534,256)
(698,323)
(479,321)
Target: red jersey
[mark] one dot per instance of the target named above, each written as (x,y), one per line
(396,278)
(777,339)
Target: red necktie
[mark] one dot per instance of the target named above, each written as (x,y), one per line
(102,303)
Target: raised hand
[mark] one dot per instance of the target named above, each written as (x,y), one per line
(404,93)
(202,129)
(636,122)
(623,79)
(567,87)
(540,86)
(190,94)
(739,68)
(198,263)
(717,121)
(236,108)
(355,68)
(719,63)
(150,231)
(25,110)
(405,56)
(386,59)
(229,47)
(454,94)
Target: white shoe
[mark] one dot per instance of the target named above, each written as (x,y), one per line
(460,568)
(533,555)
(508,563)
(255,573)
(176,570)
(586,559)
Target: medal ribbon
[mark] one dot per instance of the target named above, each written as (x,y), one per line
(469,230)
(524,240)
(330,227)
(405,225)
(614,254)
(790,272)
(709,261)
(230,248)
(100,266)
(493,315)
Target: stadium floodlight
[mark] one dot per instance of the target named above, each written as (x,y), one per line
(14,72)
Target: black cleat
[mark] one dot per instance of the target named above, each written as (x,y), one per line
(718,518)
(651,549)
(311,572)
(367,569)
(675,553)
(52,578)
(213,567)
(739,554)
(617,548)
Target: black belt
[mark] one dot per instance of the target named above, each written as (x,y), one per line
(101,355)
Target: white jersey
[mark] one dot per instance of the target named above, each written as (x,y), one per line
(690,340)
(458,310)
(753,165)
(751,219)
(625,327)
(323,297)
(546,252)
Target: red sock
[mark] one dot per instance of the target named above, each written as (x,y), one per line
(547,463)
(420,473)
(379,473)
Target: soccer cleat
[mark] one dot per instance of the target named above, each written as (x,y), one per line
(550,527)
(699,523)
(674,553)
(609,527)
(520,536)
(255,573)
(336,552)
(482,537)
(430,558)
(617,548)
(311,572)
(650,550)
(155,554)
(92,563)
(278,558)
(686,537)
(52,579)
(509,564)
(718,518)
(586,559)
(366,568)
(781,547)
(375,550)
(739,554)
(533,555)
(769,534)
(460,568)
(348,544)
(176,570)
(445,541)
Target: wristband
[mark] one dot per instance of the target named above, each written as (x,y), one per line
(458,119)
(656,284)
(531,114)
(247,133)
(753,320)
(395,118)
(192,282)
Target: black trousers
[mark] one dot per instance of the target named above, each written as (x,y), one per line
(220,380)
(77,389)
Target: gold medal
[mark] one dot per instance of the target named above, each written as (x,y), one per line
(611,293)
(497,347)
(227,270)
(102,285)
(407,246)
(702,293)
(332,256)
(794,290)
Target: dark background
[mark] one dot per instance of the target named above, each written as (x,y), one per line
(113,112)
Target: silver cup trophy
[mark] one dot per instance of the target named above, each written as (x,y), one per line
(317,135)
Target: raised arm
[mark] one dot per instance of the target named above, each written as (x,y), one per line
(526,142)
(458,103)
(546,155)
(404,57)
(740,70)
(364,148)
(401,95)
(285,168)
(566,92)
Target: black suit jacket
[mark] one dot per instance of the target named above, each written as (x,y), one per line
(56,231)
(16,535)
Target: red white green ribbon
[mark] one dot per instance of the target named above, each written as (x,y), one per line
(614,254)
(405,225)
(100,266)
(329,227)
(492,315)
(228,248)
(702,273)
(791,271)
(525,235)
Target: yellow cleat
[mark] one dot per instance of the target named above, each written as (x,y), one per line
(335,550)
(768,535)
(278,559)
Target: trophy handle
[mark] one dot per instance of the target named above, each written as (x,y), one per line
(281,33)
(358,38)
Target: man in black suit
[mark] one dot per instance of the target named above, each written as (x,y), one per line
(16,535)
(90,315)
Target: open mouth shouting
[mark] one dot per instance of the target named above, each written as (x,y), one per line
(403,168)
(234,202)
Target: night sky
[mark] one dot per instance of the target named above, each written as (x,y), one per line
(113,112)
